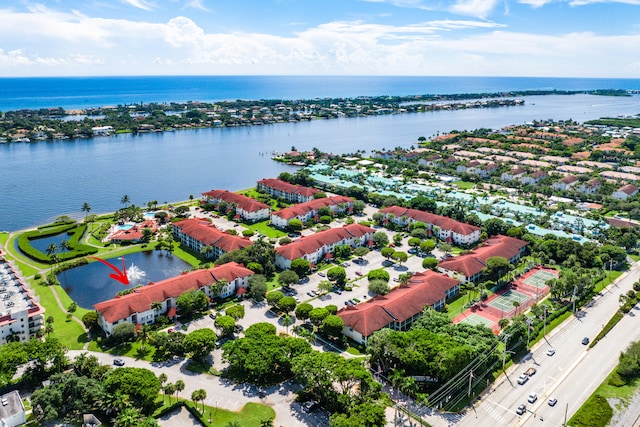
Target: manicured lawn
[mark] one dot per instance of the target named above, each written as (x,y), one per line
(607,280)
(70,334)
(251,415)
(263,228)
(464,185)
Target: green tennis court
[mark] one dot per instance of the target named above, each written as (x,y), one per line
(505,301)
(475,319)
(539,278)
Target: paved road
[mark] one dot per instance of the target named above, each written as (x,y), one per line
(571,375)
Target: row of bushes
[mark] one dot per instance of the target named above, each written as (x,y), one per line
(76,248)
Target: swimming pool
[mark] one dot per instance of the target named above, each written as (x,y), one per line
(126,226)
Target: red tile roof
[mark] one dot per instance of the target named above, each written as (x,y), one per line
(629,189)
(245,203)
(310,244)
(141,299)
(301,209)
(284,186)
(570,179)
(473,262)
(206,233)
(423,290)
(444,222)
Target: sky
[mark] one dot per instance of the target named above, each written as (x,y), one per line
(541,38)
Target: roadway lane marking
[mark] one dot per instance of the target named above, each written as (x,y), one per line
(495,415)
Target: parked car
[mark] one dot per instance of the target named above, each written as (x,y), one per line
(532,398)
(212,316)
(321,274)
(551,352)
(118,362)
(345,264)
(521,409)
(553,401)
(310,405)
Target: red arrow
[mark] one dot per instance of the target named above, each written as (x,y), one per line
(120,276)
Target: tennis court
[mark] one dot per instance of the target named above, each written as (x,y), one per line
(475,319)
(540,278)
(505,301)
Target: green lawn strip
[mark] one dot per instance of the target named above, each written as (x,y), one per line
(4,236)
(635,258)
(131,349)
(251,415)
(617,316)
(610,278)
(69,333)
(464,185)
(263,228)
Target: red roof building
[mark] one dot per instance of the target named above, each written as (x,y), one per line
(315,247)
(249,209)
(445,228)
(135,233)
(136,306)
(468,267)
(400,307)
(308,210)
(198,233)
(290,192)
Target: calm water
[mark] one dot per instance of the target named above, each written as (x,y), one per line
(81,92)
(91,283)
(43,180)
(40,181)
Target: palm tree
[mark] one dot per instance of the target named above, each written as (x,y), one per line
(51,250)
(125,200)
(199,395)
(287,321)
(130,417)
(169,389)
(86,207)
(503,323)
(156,306)
(516,304)
(179,387)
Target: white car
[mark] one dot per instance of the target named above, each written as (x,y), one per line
(532,398)
(553,401)
(523,379)
(551,352)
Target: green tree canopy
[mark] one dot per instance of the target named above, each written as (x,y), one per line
(200,343)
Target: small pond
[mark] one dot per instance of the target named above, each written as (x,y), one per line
(43,243)
(90,284)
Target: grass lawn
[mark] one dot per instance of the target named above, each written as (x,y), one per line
(131,350)
(251,415)
(69,333)
(635,258)
(464,185)
(596,411)
(607,280)
(263,228)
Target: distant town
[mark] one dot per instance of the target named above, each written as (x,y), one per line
(56,123)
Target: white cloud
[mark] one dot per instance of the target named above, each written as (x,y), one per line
(479,8)
(45,42)
(198,5)
(536,3)
(587,2)
(140,4)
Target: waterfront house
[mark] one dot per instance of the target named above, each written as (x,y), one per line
(138,307)
(290,192)
(533,178)
(513,174)
(565,183)
(135,234)
(445,228)
(469,266)
(200,235)
(399,308)
(624,192)
(307,210)
(316,247)
(590,187)
(245,207)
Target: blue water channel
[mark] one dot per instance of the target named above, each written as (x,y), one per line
(90,284)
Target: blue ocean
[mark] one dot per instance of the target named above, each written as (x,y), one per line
(84,92)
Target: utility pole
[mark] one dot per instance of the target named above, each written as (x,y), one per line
(504,355)
(575,289)
(470,378)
